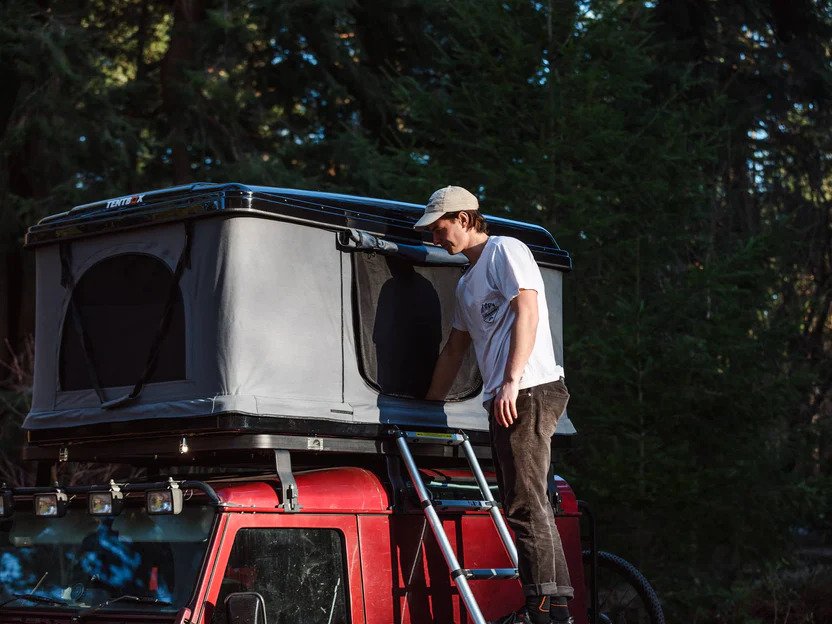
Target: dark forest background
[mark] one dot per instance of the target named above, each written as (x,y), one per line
(679,149)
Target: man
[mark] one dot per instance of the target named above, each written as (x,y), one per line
(501,308)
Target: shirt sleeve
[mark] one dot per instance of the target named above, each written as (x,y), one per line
(516,269)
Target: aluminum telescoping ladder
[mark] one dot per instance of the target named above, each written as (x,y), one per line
(459,575)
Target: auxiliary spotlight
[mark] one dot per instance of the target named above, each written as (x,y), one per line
(6,502)
(167,501)
(107,503)
(52,505)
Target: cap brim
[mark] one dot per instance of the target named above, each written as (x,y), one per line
(427,219)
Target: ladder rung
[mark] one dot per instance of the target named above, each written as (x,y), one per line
(448,485)
(485,574)
(463,504)
(430,437)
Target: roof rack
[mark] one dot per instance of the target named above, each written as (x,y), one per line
(234,448)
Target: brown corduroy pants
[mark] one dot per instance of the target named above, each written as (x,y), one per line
(522,454)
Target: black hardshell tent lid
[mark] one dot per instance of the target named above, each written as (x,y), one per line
(279,323)
(392,219)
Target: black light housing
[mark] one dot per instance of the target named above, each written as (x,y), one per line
(109,503)
(51,505)
(6,503)
(167,501)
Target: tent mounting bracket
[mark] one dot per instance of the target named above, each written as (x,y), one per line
(288,486)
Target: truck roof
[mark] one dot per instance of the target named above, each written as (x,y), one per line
(339,489)
(346,489)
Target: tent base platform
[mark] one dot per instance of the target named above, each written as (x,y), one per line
(239,448)
(229,437)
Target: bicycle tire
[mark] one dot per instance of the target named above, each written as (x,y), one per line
(617,605)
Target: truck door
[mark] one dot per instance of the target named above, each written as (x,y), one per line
(305,566)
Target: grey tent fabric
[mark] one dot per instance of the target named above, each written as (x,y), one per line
(269,329)
(260,327)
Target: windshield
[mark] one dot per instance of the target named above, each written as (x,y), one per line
(84,561)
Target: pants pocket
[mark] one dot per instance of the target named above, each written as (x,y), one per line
(551,405)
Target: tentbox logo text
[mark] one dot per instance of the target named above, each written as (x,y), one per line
(125,201)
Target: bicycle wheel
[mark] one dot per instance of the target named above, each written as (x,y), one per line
(624,595)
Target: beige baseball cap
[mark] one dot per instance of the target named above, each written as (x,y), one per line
(445,200)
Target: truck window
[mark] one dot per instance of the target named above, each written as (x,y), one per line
(86,561)
(300,573)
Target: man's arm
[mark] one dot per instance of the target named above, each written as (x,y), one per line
(523,334)
(448,364)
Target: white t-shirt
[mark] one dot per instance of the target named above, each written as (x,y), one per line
(483,309)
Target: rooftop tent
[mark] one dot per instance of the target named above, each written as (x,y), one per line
(301,311)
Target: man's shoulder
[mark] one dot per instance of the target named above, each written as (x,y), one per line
(510,245)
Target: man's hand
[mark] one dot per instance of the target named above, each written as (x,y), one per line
(448,364)
(505,403)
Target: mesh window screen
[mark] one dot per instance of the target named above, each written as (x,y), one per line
(121,301)
(404,315)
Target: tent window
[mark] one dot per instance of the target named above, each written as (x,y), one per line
(403,317)
(121,301)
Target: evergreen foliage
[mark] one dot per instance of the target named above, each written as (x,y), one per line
(680,150)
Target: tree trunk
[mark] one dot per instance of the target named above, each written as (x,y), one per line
(177,94)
